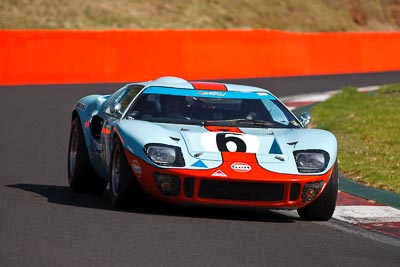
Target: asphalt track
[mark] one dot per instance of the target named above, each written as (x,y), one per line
(43,223)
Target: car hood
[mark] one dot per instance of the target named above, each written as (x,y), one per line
(197,142)
(267,143)
(208,145)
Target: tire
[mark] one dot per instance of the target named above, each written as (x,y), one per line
(125,190)
(81,176)
(323,207)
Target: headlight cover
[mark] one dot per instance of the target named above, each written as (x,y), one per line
(311,161)
(164,155)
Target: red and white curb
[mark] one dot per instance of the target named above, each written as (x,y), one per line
(368,214)
(352,209)
(297,101)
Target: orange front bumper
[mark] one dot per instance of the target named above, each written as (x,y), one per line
(252,187)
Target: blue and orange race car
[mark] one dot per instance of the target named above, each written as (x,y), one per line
(202,143)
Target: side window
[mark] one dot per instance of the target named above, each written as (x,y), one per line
(131,93)
(114,96)
(276,113)
(124,98)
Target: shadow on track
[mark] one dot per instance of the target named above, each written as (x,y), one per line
(63,195)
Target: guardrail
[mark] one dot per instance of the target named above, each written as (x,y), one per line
(82,56)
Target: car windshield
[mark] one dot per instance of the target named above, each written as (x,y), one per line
(212,108)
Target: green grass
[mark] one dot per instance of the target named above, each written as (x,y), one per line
(290,15)
(367,127)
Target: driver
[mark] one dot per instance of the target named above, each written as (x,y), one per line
(171,106)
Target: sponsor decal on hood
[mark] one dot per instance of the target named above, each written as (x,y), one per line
(240,167)
(219,173)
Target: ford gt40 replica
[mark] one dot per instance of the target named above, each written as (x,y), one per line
(201,143)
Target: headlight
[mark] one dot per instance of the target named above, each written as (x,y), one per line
(165,155)
(311,161)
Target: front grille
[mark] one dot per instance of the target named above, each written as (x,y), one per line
(241,190)
(188,187)
(294,191)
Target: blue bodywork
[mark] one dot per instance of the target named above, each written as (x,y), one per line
(274,147)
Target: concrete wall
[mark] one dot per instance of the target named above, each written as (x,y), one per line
(76,56)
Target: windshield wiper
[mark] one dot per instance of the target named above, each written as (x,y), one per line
(240,122)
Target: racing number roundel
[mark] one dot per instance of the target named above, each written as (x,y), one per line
(230,142)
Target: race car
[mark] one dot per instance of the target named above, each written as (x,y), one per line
(201,143)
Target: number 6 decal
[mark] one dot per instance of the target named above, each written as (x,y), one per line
(230,142)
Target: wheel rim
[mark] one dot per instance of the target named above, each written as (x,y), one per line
(73,152)
(115,173)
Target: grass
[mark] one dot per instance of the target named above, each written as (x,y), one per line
(290,15)
(367,127)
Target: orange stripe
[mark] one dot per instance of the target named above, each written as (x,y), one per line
(106,131)
(209,86)
(223,129)
(239,156)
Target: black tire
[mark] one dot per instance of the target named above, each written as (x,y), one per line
(125,189)
(81,176)
(323,207)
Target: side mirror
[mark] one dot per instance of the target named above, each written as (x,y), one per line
(115,108)
(305,118)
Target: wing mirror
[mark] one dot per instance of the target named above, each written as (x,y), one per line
(115,108)
(305,118)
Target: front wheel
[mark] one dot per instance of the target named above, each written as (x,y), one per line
(125,190)
(81,176)
(323,207)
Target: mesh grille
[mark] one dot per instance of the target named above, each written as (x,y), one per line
(241,190)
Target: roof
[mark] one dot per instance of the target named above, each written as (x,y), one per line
(176,82)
